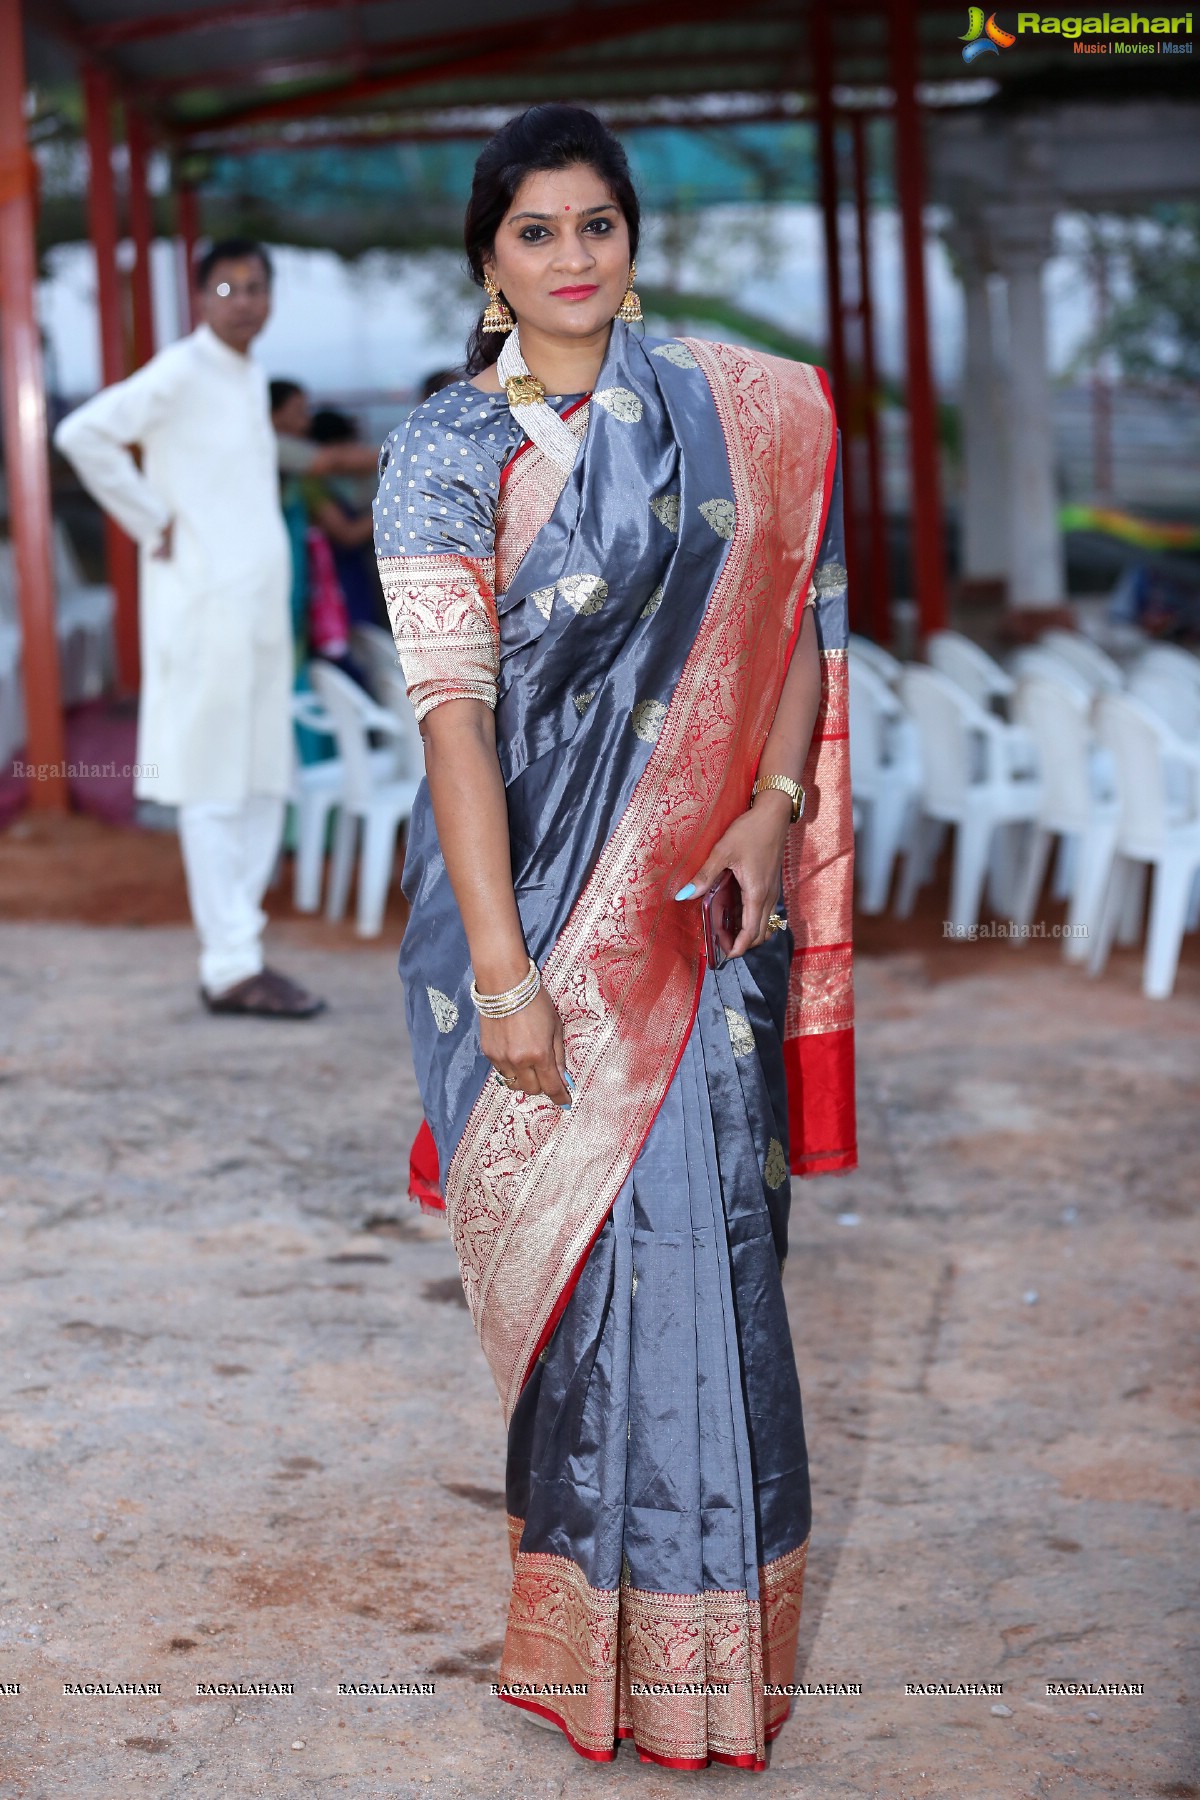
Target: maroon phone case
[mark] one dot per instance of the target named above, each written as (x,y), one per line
(721,914)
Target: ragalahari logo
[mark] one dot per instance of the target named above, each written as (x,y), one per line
(984,39)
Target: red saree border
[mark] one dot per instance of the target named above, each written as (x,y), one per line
(818,882)
(712,1657)
(424,1175)
(820,1080)
(529,1186)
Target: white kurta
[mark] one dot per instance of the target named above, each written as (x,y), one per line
(215,621)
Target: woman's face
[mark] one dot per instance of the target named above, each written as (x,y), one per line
(562,253)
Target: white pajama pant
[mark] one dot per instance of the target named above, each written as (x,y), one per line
(229,853)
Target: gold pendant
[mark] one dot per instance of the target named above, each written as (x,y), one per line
(524,390)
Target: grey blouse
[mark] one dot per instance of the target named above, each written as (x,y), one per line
(439,474)
(435,538)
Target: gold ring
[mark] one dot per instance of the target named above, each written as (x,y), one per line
(504,1080)
(775,923)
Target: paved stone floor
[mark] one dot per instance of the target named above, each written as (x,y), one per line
(246,1433)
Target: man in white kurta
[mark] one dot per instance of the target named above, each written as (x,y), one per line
(214,724)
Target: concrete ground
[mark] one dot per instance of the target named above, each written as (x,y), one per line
(246,1433)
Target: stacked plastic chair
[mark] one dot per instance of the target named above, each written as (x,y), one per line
(970,780)
(1158,828)
(371,805)
(885,778)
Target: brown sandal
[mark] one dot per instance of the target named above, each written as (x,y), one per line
(267,995)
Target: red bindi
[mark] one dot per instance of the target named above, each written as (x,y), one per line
(566,209)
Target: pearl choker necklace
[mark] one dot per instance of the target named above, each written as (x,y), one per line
(527,402)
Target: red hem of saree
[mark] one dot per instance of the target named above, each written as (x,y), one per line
(820,1086)
(714,1652)
(699,1762)
(424,1174)
(544,1712)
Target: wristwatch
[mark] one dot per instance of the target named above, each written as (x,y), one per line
(785,785)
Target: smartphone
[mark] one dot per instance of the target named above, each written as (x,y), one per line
(721,914)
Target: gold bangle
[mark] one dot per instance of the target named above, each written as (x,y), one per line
(784,785)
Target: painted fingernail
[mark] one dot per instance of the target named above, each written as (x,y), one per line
(569,1083)
(685,893)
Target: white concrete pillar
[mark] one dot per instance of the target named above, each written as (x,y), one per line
(1020,238)
(985,496)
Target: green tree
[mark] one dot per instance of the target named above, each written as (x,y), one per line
(1153,328)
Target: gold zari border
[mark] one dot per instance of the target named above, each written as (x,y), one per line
(561,1631)
(443,616)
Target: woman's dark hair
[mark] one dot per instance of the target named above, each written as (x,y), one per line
(332,426)
(544,137)
(282,391)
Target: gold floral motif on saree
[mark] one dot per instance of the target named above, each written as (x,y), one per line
(529,1187)
(562,1631)
(443,616)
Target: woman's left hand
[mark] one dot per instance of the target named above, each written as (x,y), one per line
(753,848)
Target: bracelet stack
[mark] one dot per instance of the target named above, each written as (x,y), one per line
(502,1006)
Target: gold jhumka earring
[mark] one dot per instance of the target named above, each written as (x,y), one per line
(496,316)
(630,309)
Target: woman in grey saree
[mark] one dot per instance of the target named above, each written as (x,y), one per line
(628,612)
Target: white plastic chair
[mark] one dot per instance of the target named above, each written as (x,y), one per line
(1096,666)
(372,647)
(962,660)
(988,683)
(378,806)
(885,780)
(84,622)
(12,694)
(317,789)
(1035,659)
(888,667)
(967,781)
(1170,695)
(1078,805)
(1172,660)
(1154,830)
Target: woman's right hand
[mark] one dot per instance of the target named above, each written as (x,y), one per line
(527,1049)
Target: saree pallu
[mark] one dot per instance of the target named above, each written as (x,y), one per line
(633,624)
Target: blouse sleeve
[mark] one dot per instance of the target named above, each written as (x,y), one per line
(435,515)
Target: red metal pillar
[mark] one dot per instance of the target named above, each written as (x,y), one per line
(102,225)
(822,58)
(876,561)
(27,464)
(822,62)
(141,230)
(929,572)
(187,223)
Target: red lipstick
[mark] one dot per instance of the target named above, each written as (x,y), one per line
(574,293)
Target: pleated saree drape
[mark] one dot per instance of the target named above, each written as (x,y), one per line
(633,625)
